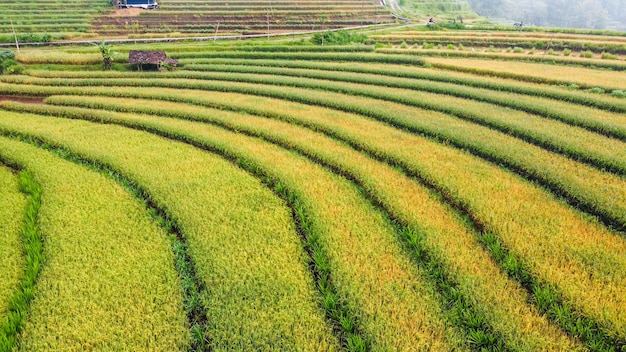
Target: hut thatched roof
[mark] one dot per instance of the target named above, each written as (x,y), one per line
(155,57)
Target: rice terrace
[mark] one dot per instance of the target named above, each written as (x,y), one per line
(309,175)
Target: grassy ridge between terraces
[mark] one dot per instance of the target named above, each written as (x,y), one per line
(98,267)
(12,260)
(482,300)
(371,271)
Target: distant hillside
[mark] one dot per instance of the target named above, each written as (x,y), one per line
(598,14)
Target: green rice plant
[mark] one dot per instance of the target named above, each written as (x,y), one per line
(143,292)
(451,47)
(518,50)
(609,56)
(401,197)
(596,90)
(588,54)
(335,219)
(428,45)
(13,205)
(567,52)
(404,45)
(618,93)
(532,51)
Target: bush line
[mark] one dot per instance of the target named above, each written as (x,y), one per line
(190,284)
(34,259)
(343,321)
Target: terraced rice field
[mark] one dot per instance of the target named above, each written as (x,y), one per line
(49,20)
(311,198)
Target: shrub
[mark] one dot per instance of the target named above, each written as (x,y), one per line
(338,38)
(609,56)
(587,54)
(618,93)
(596,90)
(7,59)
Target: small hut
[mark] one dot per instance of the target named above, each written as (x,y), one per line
(155,58)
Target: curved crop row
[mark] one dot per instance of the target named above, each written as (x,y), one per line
(97,267)
(14,256)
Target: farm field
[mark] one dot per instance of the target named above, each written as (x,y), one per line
(287,196)
(53,20)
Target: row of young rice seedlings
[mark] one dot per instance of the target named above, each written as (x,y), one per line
(107,263)
(492,311)
(373,275)
(566,177)
(259,294)
(443,97)
(498,84)
(525,71)
(600,252)
(13,205)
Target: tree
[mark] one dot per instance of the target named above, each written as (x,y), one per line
(6,60)
(107,54)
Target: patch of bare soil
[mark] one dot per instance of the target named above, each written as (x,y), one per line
(132,12)
(22,99)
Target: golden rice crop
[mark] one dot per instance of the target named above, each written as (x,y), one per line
(584,77)
(396,308)
(106,262)
(12,206)
(240,237)
(546,233)
(502,301)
